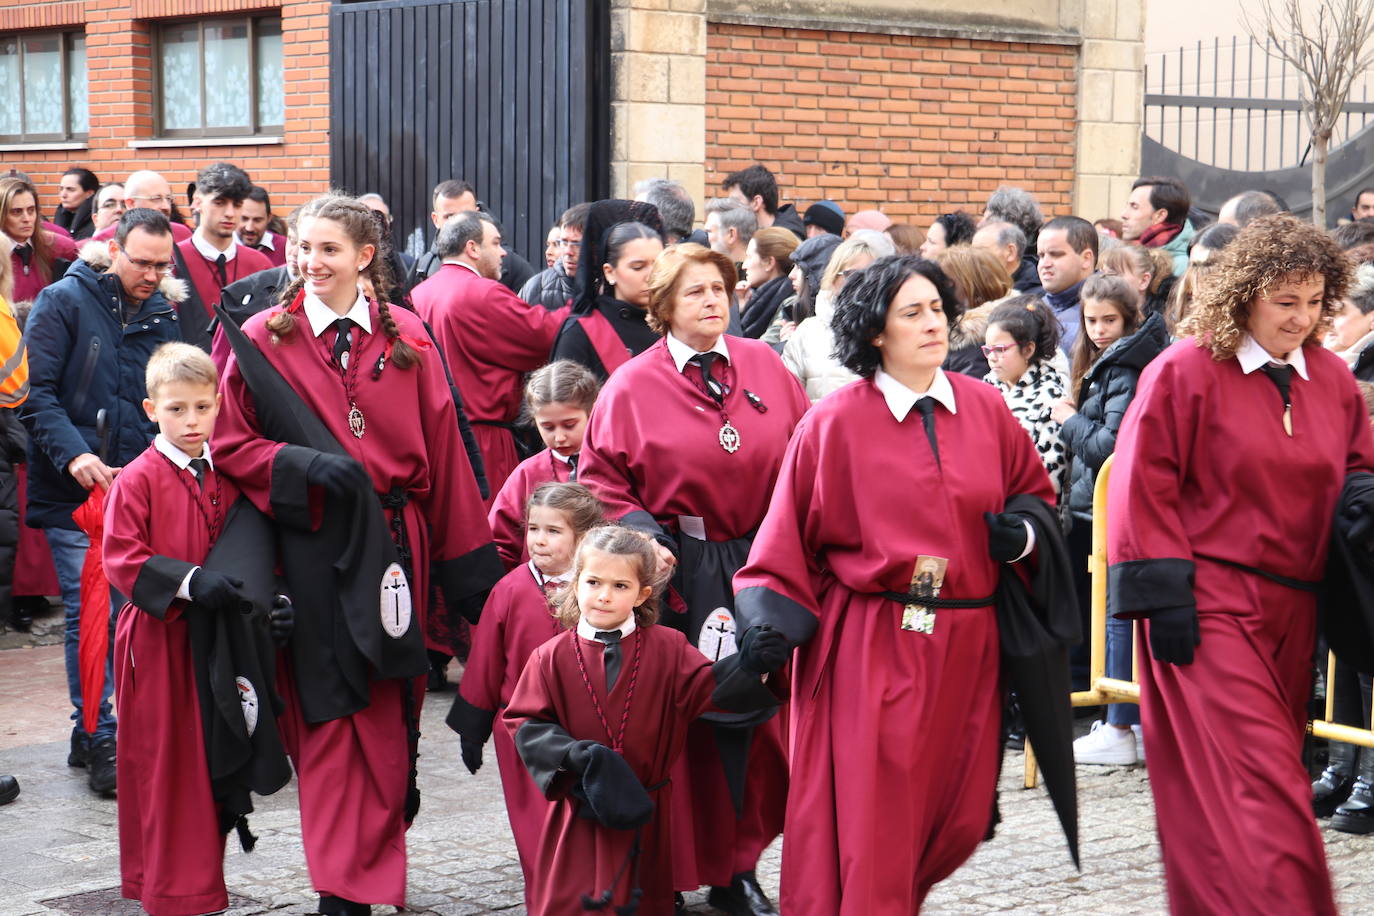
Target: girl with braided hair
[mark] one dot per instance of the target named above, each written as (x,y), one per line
(367,372)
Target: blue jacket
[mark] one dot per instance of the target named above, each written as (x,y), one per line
(83,358)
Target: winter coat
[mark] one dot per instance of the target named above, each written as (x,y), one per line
(807,353)
(787,217)
(1103,396)
(1178,248)
(84,358)
(1027,279)
(1031,400)
(552,288)
(79,223)
(1360,358)
(764,304)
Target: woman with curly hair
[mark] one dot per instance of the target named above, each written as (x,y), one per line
(1229,466)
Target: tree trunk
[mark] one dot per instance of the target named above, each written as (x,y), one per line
(1320,140)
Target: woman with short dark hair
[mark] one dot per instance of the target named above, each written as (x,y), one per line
(894,487)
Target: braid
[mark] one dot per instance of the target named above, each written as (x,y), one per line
(402,353)
(283,324)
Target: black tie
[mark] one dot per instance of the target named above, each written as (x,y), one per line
(1281,375)
(198,466)
(611,655)
(927,408)
(572,468)
(25,253)
(343,341)
(705,361)
(219,265)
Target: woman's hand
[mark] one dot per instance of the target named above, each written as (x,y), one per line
(666,560)
(1062,410)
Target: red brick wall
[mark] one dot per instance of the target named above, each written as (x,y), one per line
(120,71)
(911,125)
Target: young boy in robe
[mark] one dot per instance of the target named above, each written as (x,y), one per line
(163,514)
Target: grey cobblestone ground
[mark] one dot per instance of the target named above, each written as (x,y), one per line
(58,841)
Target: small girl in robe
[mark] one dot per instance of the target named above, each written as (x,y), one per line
(517,619)
(599,715)
(559,398)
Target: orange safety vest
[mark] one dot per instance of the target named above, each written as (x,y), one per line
(14,360)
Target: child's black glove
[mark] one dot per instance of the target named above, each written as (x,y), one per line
(763,650)
(217,592)
(1174,634)
(338,474)
(472,755)
(281,619)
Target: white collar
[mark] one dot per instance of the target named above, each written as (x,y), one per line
(265,243)
(210,252)
(177,456)
(587,631)
(681,353)
(565,459)
(322,316)
(900,399)
(560,579)
(457,263)
(1252,356)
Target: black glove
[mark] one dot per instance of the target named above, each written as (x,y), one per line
(217,592)
(281,619)
(338,474)
(1174,633)
(1007,535)
(763,650)
(579,756)
(472,755)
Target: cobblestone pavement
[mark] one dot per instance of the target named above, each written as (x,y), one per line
(60,850)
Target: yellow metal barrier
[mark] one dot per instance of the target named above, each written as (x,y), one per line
(1104,689)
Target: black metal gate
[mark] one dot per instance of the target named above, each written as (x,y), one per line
(512,95)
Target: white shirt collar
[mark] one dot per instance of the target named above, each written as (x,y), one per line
(587,631)
(322,316)
(681,353)
(265,243)
(1252,356)
(210,252)
(560,579)
(177,456)
(900,399)
(566,459)
(457,263)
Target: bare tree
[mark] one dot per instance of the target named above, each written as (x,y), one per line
(1329,47)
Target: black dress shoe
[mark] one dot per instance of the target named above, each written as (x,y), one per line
(338,906)
(21,619)
(743,897)
(679,904)
(9,789)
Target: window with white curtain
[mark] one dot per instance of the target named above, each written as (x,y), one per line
(220,77)
(46,73)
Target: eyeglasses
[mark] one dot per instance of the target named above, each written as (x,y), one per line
(997,350)
(160,199)
(162,267)
(568,243)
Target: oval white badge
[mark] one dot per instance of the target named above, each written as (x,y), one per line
(717,639)
(395,601)
(248,699)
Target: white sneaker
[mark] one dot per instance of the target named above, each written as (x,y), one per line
(1139,744)
(1105,744)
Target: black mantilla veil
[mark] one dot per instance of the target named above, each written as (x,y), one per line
(604,216)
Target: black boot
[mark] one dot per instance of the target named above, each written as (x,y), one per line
(338,906)
(102,766)
(743,897)
(1356,813)
(21,615)
(80,751)
(1334,784)
(9,789)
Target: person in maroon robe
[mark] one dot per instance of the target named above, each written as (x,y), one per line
(559,398)
(684,445)
(489,335)
(892,484)
(599,715)
(37,249)
(362,368)
(147,189)
(1229,466)
(213,257)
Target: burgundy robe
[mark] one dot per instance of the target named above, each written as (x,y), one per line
(491,339)
(205,276)
(575,855)
(171,851)
(28,282)
(895,734)
(507,515)
(1205,470)
(516,620)
(352,771)
(652,453)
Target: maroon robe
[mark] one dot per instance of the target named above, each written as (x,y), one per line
(28,282)
(171,851)
(352,771)
(895,734)
(1205,470)
(491,339)
(507,515)
(652,453)
(275,255)
(205,275)
(575,855)
(516,620)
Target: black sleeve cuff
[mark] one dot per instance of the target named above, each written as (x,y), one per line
(468,721)
(543,746)
(465,581)
(1138,588)
(158,581)
(757,605)
(290,488)
(643,522)
(741,691)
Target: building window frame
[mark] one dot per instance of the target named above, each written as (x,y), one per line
(254,128)
(66,45)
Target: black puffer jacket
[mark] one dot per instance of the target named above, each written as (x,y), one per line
(1103,396)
